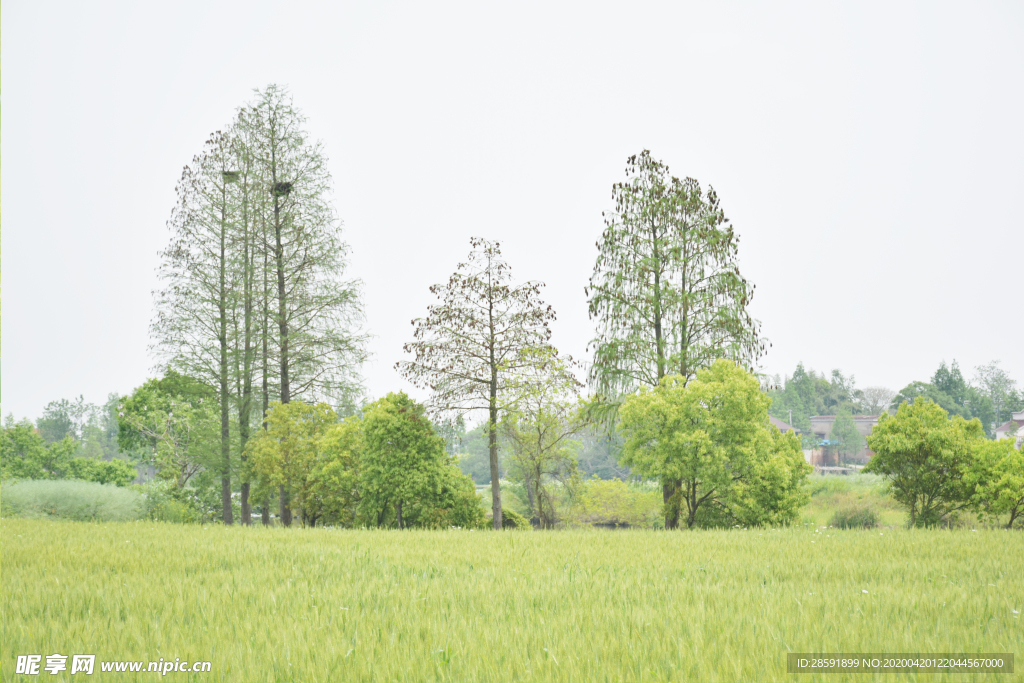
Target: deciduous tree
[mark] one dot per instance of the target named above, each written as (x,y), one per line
(666,291)
(477,348)
(997,480)
(712,435)
(541,432)
(407,478)
(925,454)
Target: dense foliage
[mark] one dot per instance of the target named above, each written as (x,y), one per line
(711,439)
(926,456)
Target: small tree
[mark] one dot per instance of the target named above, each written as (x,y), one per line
(541,434)
(844,431)
(475,350)
(288,454)
(876,400)
(997,480)
(713,436)
(925,455)
(407,479)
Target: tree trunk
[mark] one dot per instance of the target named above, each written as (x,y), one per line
(286,511)
(492,424)
(225,415)
(669,494)
(398,512)
(282,323)
(245,405)
(265,512)
(492,438)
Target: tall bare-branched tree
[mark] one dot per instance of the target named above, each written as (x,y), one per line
(191,325)
(478,347)
(666,291)
(315,312)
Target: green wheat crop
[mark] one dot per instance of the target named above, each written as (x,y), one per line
(331,605)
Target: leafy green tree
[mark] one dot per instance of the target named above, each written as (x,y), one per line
(996,385)
(117,472)
(925,454)
(997,480)
(288,454)
(481,347)
(23,451)
(332,494)
(774,492)
(666,290)
(844,433)
(316,312)
(928,392)
(199,278)
(24,454)
(616,503)
(713,436)
(950,381)
(62,419)
(808,393)
(402,472)
(541,433)
(176,419)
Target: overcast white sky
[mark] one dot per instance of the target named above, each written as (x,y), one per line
(870,155)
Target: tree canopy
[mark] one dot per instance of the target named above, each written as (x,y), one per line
(713,436)
(925,454)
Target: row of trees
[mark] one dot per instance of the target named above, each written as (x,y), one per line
(26,454)
(991,397)
(254,299)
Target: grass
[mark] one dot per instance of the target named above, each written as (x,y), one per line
(70,499)
(330,605)
(831,493)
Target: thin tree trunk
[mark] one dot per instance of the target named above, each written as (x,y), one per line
(282,323)
(492,424)
(245,405)
(286,511)
(265,504)
(225,415)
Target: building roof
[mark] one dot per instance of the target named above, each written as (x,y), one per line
(783,427)
(1009,425)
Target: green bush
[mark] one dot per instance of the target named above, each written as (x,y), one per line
(854,518)
(69,499)
(165,502)
(614,503)
(510,519)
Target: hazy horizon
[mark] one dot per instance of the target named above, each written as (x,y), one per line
(869,157)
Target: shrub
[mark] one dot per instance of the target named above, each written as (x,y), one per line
(510,519)
(75,500)
(165,502)
(854,518)
(615,503)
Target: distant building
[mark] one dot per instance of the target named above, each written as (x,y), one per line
(1012,429)
(783,427)
(821,426)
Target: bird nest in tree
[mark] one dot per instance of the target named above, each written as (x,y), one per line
(281,189)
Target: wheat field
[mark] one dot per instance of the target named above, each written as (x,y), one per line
(331,605)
